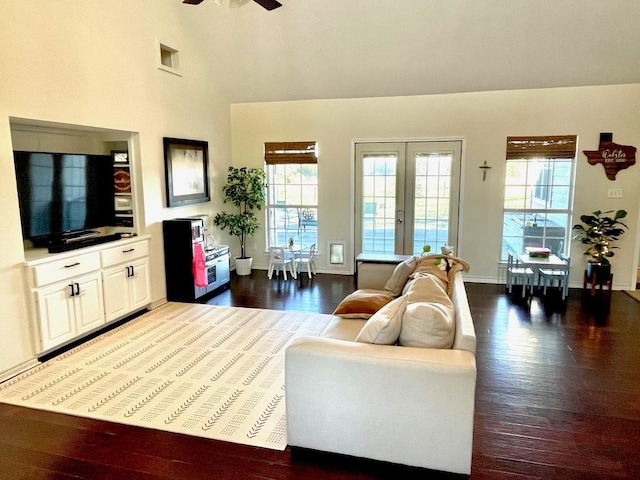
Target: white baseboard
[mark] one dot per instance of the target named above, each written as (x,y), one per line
(18,369)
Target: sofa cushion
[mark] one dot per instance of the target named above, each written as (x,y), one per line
(362,303)
(399,277)
(343,328)
(383,328)
(428,319)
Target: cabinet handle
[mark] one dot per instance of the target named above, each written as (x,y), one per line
(128,251)
(77,289)
(72,265)
(71,290)
(132,271)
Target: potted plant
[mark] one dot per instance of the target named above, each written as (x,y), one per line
(245,189)
(598,231)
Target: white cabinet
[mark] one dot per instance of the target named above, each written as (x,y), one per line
(81,291)
(68,310)
(125,277)
(69,301)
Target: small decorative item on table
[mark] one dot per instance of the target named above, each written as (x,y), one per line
(538,252)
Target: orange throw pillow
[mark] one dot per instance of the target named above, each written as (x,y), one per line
(362,304)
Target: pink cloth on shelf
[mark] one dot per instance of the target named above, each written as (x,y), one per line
(198,268)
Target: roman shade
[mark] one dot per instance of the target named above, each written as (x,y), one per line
(563,146)
(290,152)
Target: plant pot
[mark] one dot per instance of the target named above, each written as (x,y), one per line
(601,271)
(243,265)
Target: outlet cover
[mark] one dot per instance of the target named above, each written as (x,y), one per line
(614,193)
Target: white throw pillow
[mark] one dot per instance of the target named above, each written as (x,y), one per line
(399,277)
(383,328)
(428,319)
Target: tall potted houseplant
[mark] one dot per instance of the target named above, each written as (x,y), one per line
(245,189)
(598,231)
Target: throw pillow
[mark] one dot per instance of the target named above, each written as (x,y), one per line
(399,277)
(362,304)
(428,319)
(383,328)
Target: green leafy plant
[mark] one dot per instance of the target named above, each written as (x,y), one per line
(246,190)
(598,231)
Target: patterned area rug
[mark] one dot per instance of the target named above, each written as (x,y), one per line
(210,371)
(635,294)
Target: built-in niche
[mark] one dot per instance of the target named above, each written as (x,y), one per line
(168,59)
(107,145)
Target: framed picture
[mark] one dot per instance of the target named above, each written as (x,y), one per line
(120,157)
(186,171)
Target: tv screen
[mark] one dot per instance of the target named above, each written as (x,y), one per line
(60,193)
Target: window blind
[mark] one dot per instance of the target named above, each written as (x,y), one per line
(560,146)
(290,152)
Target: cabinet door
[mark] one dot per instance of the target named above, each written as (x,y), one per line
(222,270)
(139,290)
(116,292)
(88,303)
(55,314)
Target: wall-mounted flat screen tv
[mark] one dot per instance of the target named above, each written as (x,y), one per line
(63,193)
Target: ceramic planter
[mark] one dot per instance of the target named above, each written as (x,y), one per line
(243,265)
(602,272)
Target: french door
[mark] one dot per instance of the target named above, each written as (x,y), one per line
(407,196)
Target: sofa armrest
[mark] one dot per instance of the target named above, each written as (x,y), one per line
(404,405)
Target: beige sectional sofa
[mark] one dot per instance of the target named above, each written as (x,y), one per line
(411,405)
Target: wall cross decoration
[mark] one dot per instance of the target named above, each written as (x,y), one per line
(484,168)
(612,156)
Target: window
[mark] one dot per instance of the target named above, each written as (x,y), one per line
(538,194)
(292,193)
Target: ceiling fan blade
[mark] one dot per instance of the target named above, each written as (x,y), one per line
(192,2)
(268,4)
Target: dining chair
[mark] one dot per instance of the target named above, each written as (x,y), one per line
(279,260)
(548,276)
(307,258)
(517,274)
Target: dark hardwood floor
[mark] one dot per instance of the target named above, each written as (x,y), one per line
(558,397)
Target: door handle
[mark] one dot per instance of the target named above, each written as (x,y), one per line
(400,216)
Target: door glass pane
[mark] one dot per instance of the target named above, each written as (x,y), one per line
(378,203)
(432,200)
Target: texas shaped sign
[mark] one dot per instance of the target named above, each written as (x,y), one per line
(613,157)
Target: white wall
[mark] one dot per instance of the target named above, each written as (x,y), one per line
(93,63)
(483,120)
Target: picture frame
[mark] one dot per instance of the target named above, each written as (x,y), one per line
(120,157)
(186,171)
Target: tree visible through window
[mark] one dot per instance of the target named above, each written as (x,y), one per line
(538,196)
(292,193)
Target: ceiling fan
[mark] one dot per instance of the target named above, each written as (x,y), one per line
(267,4)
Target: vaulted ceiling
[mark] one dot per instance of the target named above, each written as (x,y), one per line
(311,49)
